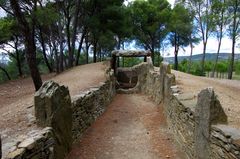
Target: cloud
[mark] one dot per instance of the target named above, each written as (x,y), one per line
(212,47)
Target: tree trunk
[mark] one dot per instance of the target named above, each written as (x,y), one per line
(234,34)
(95,52)
(230,70)
(80,48)
(6,73)
(190,58)
(203,58)
(152,52)
(75,25)
(61,67)
(56,57)
(70,53)
(216,61)
(87,48)
(219,44)
(28,33)
(44,50)
(175,52)
(19,66)
(175,61)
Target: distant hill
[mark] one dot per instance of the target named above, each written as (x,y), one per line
(198,57)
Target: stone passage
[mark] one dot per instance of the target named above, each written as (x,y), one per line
(132,127)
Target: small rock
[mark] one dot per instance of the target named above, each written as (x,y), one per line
(17,153)
(28,143)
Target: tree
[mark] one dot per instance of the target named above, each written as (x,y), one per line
(219,8)
(28,31)
(204,19)
(193,39)
(10,37)
(180,26)
(149,20)
(233,29)
(104,18)
(46,27)
(5,72)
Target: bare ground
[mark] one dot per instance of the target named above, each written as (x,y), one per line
(228,92)
(132,127)
(16,99)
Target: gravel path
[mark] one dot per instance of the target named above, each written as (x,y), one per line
(132,127)
(16,99)
(228,92)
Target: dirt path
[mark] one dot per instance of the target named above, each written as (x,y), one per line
(16,99)
(133,127)
(228,92)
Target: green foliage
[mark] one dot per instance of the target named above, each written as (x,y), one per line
(149,20)
(50,12)
(129,61)
(222,66)
(183,65)
(8,28)
(158,59)
(180,26)
(237,68)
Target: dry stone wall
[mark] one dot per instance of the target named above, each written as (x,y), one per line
(65,119)
(198,122)
(89,105)
(37,145)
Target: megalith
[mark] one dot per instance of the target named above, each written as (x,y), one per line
(208,111)
(53,108)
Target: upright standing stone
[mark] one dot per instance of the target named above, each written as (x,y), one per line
(207,112)
(53,108)
(164,70)
(202,129)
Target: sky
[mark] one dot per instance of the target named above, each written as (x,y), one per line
(211,46)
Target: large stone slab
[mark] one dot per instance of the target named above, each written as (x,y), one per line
(207,112)
(131,53)
(53,108)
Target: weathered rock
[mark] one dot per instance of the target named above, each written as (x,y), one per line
(53,108)
(207,112)
(28,144)
(18,154)
(131,53)
(203,117)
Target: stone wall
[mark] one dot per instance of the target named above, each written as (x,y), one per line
(37,145)
(198,122)
(225,142)
(89,105)
(65,119)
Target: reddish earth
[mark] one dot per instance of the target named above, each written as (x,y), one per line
(228,92)
(16,98)
(132,127)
